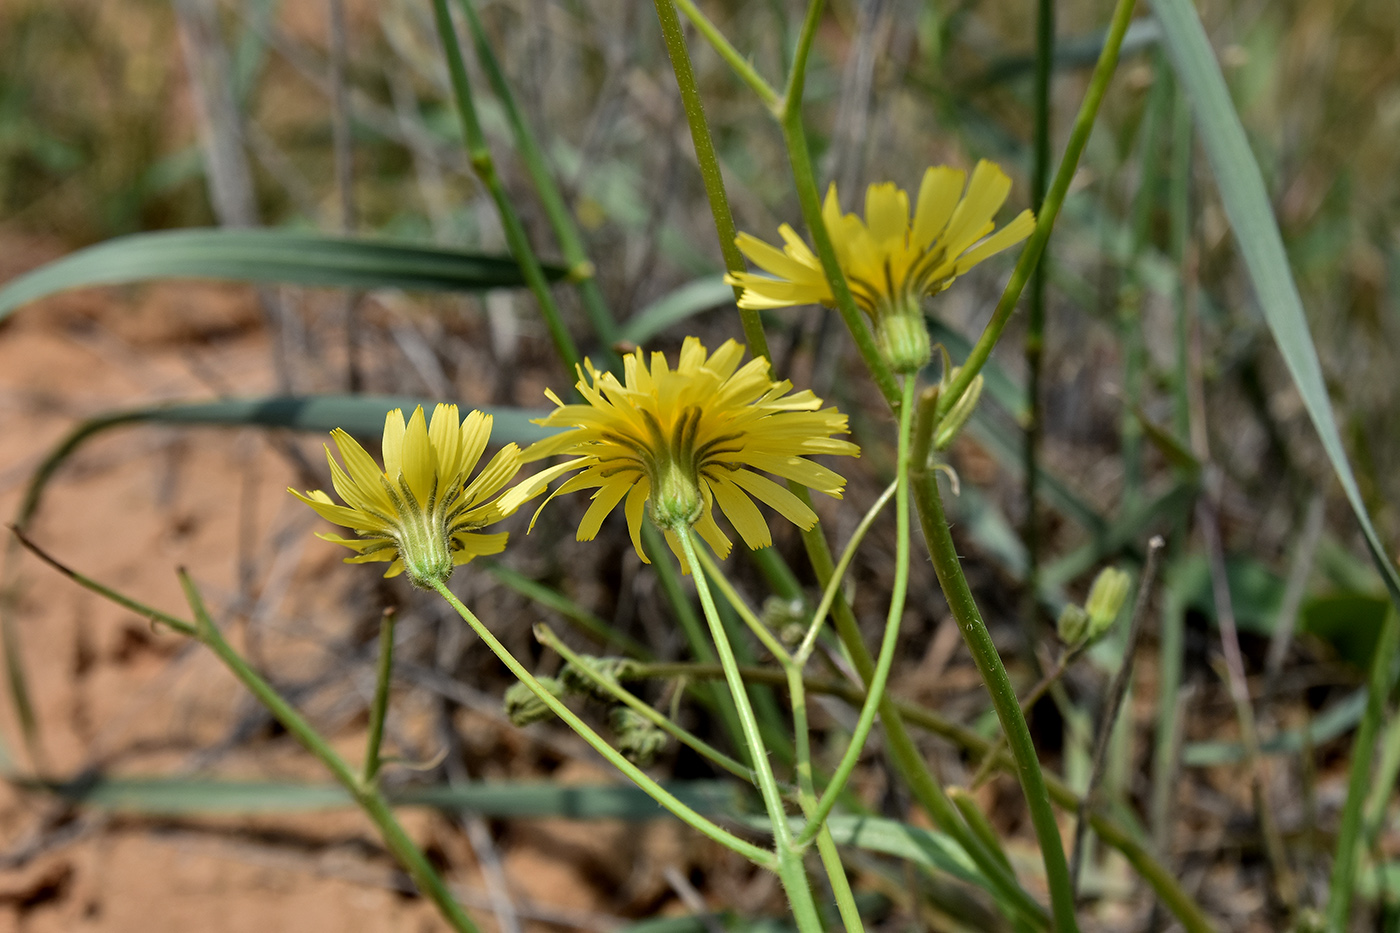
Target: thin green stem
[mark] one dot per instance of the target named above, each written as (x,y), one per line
(380,705)
(789,858)
(581,270)
(1035,322)
(876,687)
(662,796)
(797,74)
(545,636)
(800,160)
(1018,735)
(1359,780)
(1054,200)
(807,799)
(705,154)
(1161,879)
(670,579)
(909,761)
(731,56)
(366,795)
(714,572)
(833,586)
(479,154)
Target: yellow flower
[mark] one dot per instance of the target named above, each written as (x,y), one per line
(419,512)
(890,262)
(683,440)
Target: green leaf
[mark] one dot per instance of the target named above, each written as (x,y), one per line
(282,256)
(1247,205)
(688,300)
(924,847)
(159,796)
(1350,622)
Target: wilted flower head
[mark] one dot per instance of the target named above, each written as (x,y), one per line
(420,512)
(679,441)
(889,260)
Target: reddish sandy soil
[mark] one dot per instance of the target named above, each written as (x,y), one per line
(130,508)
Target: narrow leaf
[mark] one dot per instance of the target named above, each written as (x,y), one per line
(280,256)
(1251,216)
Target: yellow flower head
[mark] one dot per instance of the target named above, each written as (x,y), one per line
(682,440)
(889,260)
(419,512)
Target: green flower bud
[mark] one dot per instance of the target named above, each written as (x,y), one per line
(957,416)
(637,738)
(523,707)
(1073,625)
(589,674)
(902,335)
(1106,598)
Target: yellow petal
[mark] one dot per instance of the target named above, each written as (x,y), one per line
(886,212)
(392,447)
(1010,235)
(635,508)
(418,466)
(938,196)
(742,513)
(446,437)
(770,493)
(985,194)
(604,501)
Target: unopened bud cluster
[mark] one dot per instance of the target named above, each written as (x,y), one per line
(1082,625)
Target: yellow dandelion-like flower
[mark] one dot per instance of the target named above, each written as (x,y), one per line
(419,512)
(889,260)
(679,441)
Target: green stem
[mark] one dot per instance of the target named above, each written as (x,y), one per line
(800,160)
(380,706)
(1358,782)
(875,690)
(1035,321)
(755,624)
(670,579)
(789,858)
(1161,879)
(1054,199)
(366,795)
(807,799)
(809,198)
(545,636)
(731,56)
(662,796)
(704,145)
(1018,735)
(479,154)
(581,270)
(833,586)
(909,761)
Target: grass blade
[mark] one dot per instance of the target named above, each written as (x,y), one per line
(1251,216)
(285,256)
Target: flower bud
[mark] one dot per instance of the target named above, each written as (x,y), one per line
(1106,598)
(1073,625)
(637,738)
(902,335)
(957,416)
(523,706)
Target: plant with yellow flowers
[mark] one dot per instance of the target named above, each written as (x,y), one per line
(702,444)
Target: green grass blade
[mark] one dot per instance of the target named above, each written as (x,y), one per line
(283,256)
(159,796)
(672,308)
(1248,207)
